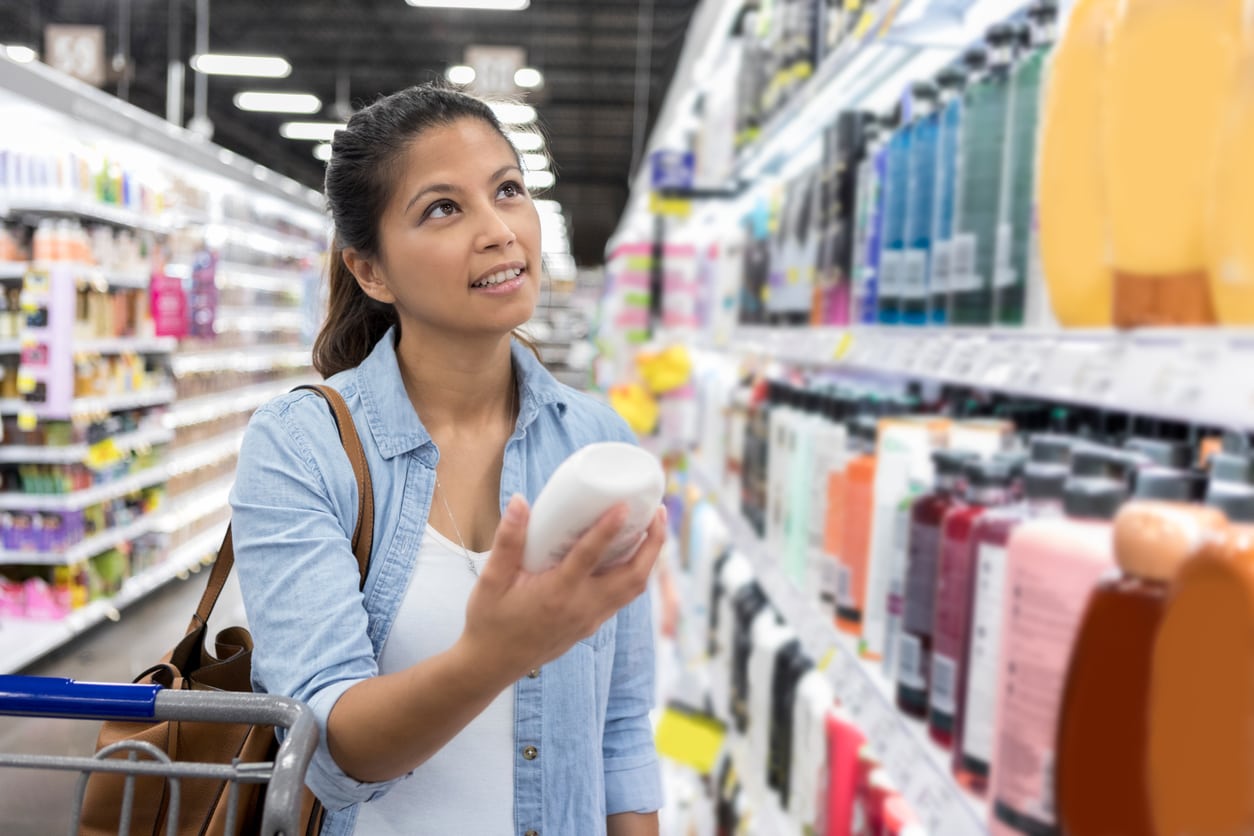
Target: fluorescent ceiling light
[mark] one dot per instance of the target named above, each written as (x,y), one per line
(539,179)
(535,162)
(317,131)
(259,102)
(528,78)
(20,54)
(260,66)
(491,5)
(526,140)
(513,114)
(322,151)
(460,74)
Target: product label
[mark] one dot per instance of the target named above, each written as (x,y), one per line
(942,266)
(963,275)
(844,587)
(986,626)
(944,674)
(910,662)
(897,584)
(1004,273)
(924,554)
(829,577)
(914,274)
(890,273)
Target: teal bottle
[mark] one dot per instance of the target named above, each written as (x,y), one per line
(980,177)
(1018,277)
(896,175)
(920,204)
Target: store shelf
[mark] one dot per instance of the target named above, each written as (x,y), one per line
(212,407)
(205,453)
(242,359)
(10,270)
(250,277)
(127,345)
(74,453)
(1194,375)
(23,641)
(196,505)
(256,321)
(261,240)
(123,401)
(918,767)
(87,211)
(765,813)
(87,548)
(11,346)
(78,500)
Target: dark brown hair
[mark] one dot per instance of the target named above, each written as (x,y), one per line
(360,179)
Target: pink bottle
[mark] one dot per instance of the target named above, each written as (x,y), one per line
(1053,566)
(975,726)
(844,745)
(988,485)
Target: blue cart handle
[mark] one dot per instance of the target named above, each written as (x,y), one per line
(50,696)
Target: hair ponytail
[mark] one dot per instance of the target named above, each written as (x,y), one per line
(354,323)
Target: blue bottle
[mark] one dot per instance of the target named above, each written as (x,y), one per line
(920,205)
(896,193)
(949,110)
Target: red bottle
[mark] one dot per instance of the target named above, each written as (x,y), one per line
(923,555)
(975,723)
(988,485)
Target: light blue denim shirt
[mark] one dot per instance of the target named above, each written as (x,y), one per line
(295,505)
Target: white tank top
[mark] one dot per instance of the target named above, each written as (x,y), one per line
(468,786)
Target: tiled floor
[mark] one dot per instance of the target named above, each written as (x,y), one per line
(36,802)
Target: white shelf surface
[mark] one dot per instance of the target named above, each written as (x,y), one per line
(98,406)
(1193,375)
(87,210)
(123,345)
(87,548)
(211,407)
(266,279)
(204,453)
(13,269)
(22,641)
(11,345)
(73,453)
(919,768)
(243,359)
(77,500)
(257,320)
(187,508)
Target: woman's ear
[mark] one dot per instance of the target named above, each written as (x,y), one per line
(369,277)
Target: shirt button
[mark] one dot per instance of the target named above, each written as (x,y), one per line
(534,673)
(531,753)
(532,833)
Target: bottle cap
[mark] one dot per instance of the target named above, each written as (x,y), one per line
(1163,453)
(1016,460)
(1234,499)
(975,59)
(1097,460)
(1043,11)
(988,473)
(1093,497)
(1043,482)
(1168,484)
(1054,449)
(951,462)
(999,34)
(1232,467)
(950,78)
(1152,539)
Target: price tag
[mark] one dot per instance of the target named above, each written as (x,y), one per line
(843,346)
(27,420)
(1004,361)
(962,359)
(1095,375)
(26,383)
(103,454)
(825,661)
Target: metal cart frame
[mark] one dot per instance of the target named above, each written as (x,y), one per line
(32,696)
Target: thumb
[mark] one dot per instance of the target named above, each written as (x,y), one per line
(511,536)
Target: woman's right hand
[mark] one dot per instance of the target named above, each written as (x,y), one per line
(516,620)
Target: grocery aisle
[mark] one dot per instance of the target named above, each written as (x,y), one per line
(34,802)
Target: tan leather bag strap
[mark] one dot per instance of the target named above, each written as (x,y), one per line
(363,531)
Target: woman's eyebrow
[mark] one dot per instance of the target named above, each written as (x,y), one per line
(446,188)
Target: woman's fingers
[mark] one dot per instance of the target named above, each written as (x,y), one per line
(591,547)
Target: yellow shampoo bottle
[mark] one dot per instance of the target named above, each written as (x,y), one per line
(1072,210)
(1230,248)
(1169,70)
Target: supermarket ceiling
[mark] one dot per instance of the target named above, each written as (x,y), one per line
(587,50)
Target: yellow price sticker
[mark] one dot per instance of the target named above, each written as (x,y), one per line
(103,454)
(689,738)
(794,275)
(843,346)
(673,206)
(26,383)
(853,5)
(864,24)
(27,421)
(826,661)
(766,293)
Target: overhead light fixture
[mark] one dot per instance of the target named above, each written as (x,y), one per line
(536,180)
(322,151)
(460,74)
(526,140)
(485,5)
(259,66)
(529,78)
(535,162)
(317,131)
(20,54)
(260,102)
(508,113)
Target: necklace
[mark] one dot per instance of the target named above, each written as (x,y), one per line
(470,561)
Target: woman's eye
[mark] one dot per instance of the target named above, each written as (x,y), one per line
(510,189)
(442,209)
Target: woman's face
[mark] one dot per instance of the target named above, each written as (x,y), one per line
(460,239)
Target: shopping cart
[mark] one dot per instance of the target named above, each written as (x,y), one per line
(35,696)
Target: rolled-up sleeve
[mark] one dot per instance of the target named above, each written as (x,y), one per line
(633,781)
(291,526)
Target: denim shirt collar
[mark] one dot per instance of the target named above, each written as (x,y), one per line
(395,424)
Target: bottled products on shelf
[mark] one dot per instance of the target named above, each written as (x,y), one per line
(896,203)
(920,204)
(949,124)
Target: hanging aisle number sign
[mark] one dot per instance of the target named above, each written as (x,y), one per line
(494,68)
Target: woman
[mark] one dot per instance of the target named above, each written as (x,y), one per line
(456,694)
